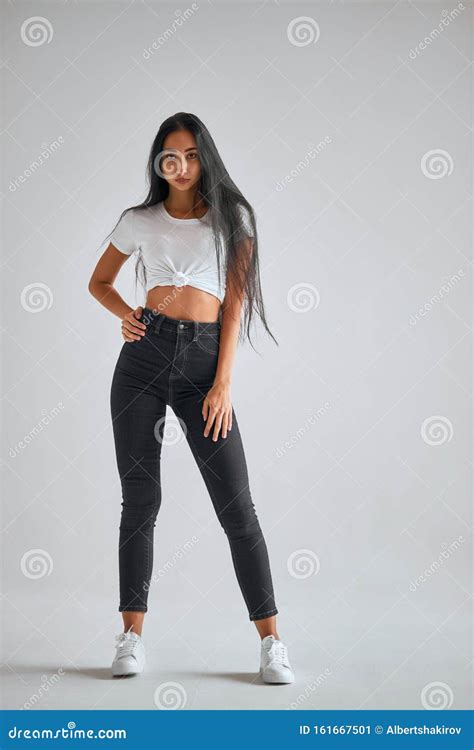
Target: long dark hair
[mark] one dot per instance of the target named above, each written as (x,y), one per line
(226,204)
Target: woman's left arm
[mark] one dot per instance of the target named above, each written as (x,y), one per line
(217,406)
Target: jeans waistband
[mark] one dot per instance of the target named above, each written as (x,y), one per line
(157,321)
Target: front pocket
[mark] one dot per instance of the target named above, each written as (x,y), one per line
(137,344)
(208,342)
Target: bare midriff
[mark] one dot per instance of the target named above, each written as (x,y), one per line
(184,303)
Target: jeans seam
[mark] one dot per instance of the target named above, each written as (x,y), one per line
(185,358)
(262,615)
(203,349)
(210,489)
(132,608)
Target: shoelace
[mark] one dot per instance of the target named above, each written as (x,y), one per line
(279,652)
(125,644)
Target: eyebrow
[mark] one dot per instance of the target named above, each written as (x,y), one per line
(193,148)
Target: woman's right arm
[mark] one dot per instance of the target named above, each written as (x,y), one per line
(101,286)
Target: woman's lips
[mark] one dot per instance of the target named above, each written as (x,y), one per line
(182,179)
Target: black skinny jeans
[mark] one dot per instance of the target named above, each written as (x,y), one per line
(174,363)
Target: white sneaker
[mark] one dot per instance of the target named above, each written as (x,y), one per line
(274,664)
(130,656)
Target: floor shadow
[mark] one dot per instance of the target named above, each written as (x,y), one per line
(47,670)
(104,673)
(209,676)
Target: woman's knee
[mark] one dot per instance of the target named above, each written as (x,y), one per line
(240,522)
(138,515)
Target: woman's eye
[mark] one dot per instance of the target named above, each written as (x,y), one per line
(192,156)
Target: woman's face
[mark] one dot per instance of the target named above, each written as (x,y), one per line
(180,165)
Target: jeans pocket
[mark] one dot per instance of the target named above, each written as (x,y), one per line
(208,343)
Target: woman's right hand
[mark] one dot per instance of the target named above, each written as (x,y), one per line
(132,327)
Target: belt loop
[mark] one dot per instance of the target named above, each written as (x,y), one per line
(158,323)
(196,330)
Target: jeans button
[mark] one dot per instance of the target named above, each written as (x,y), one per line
(181,325)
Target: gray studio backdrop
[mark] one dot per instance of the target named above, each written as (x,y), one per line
(348,127)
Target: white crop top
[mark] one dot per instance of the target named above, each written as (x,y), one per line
(175,252)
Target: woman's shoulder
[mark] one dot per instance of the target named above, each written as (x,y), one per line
(138,216)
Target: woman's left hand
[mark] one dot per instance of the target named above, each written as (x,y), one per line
(217,410)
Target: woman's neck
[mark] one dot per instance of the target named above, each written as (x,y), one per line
(183,203)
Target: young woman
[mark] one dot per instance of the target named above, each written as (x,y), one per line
(195,241)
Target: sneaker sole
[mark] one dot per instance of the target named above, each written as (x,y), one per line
(276,681)
(118,672)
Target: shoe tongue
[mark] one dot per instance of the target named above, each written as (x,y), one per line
(268,641)
(133,636)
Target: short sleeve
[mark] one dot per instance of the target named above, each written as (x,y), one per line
(123,236)
(246,223)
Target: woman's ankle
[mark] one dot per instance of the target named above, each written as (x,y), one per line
(133,621)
